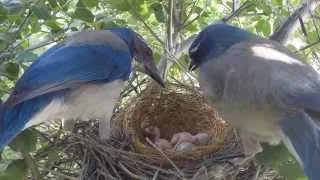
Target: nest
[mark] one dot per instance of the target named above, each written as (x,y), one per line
(126,155)
(177,108)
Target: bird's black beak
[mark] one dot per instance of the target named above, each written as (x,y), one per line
(151,70)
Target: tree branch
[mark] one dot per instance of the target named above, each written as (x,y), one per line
(170,25)
(291,24)
(183,47)
(308,46)
(191,11)
(244,6)
(147,26)
(198,16)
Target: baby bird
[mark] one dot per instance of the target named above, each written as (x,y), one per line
(153,133)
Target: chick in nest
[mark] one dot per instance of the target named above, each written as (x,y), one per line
(185,141)
(153,133)
(201,139)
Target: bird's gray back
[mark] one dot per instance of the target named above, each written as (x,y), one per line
(254,81)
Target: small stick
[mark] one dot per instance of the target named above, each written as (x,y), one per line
(165,156)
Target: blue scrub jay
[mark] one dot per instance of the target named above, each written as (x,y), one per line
(79,78)
(265,91)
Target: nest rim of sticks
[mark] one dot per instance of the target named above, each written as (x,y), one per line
(173,109)
(117,157)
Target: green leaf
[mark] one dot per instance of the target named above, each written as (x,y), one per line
(53,156)
(53,25)
(264,26)
(26,56)
(35,27)
(265,6)
(192,27)
(6,36)
(278,157)
(159,12)
(291,170)
(83,13)
(313,36)
(53,3)
(273,156)
(41,11)
(91,3)
(278,2)
(16,170)
(3,13)
(121,5)
(143,10)
(25,142)
(12,70)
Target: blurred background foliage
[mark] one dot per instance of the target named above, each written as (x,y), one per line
(29,27)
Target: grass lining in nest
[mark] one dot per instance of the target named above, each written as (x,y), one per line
(177,108)
(115,159)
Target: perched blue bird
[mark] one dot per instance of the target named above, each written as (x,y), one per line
(80,78)
(262,89)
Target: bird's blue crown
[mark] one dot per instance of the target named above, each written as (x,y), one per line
(127,35)
(214,40)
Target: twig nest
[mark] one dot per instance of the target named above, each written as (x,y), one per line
(180,113)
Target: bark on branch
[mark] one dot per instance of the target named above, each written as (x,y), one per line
(292,23)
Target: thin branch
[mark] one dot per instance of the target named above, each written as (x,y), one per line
(314,23)
(147,26)
(155,175)
(200,170)
(183,47)
(5,55)
(61,175)
(198,16)
(191,11)
(303,27)
(21,26)
(244,6)
(32,165)
(125,169)
(170,25)
(166,157)
(308,46)
(235,4)
(291,24)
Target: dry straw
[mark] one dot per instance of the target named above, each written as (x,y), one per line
(177,108)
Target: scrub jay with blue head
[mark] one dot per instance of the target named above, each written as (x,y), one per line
(262,89)
(80,78)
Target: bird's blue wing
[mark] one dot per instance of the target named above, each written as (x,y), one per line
(302,137)
(65,66)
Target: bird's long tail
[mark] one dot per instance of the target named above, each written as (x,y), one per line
(3,130)
(13,119)
(302,138)
(10,127)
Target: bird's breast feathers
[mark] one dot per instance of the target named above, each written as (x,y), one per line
(91,101)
